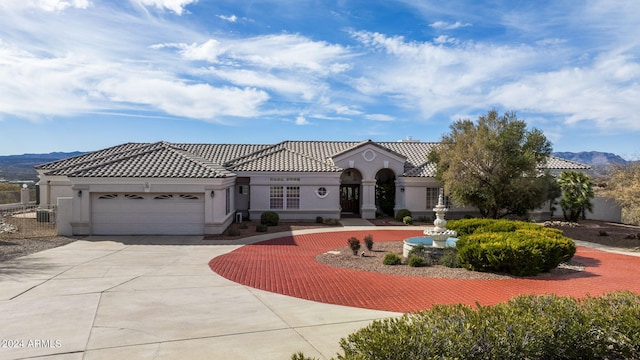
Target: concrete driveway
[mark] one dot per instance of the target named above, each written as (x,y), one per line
(155,297)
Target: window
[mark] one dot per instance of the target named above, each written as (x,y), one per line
(108,196)
(322,191)
(432,198)
(243,189)
(133,196)
(276,197)
(188,197)
(227,200)
(163,197)
(293,197)
(278,194)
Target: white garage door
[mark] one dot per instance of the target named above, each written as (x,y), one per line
(147,214)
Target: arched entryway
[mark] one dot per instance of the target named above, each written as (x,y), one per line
(350,186)
(385,191)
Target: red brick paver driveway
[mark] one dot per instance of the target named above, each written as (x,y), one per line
(287,266)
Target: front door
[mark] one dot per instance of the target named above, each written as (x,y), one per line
(350,198)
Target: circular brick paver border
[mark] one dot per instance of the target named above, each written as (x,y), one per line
(287,266)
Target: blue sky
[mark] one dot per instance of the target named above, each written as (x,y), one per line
(88,74)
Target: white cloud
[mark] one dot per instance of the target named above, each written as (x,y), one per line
(379,117)
(605,92)
(177,6)
(443,25)
(301,120)
(285,85)
(199,101)
(47,5)
(229,18)
(434,78)
(444,39)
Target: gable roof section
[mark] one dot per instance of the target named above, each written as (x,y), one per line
(282,158)
(169,160)
(152,160)
(103,154)
(368,142)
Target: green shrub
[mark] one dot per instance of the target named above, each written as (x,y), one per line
(526,327)
(354,244)
(368,242)
(407,220)
(515,247)
(300,356)
(416,261)
(450,258)
(392,259)
(520,253)
(418,249)
(400,215)
(261,228)
(319,220)
(269,218)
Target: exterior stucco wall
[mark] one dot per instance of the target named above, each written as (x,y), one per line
(605,209)
(311,203)
(52,188)
(369,160)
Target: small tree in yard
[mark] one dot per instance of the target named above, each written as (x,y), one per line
(577,192)
(354,244)
(494,164)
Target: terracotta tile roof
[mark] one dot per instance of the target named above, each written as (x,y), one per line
(164,159)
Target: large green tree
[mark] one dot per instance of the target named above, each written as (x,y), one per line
(494,164)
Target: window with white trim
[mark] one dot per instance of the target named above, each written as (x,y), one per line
(276,197)
(293,197)
(432,198)
(228,200)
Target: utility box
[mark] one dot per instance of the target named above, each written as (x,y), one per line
(238,217)
(43,215)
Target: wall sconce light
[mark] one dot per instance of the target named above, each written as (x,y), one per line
(401,189)
(79,193)
(212,194)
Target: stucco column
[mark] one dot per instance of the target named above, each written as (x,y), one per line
(368,199)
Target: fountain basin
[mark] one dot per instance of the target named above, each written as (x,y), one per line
(426,241)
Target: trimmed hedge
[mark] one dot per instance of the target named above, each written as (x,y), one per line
(269,218)
(514,247)
(526,327)
(402,213)
(392,259)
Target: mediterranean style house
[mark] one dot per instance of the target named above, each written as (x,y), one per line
(194,189)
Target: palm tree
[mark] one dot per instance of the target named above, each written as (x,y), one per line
(577,192)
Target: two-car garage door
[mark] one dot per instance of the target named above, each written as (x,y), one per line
(147,214)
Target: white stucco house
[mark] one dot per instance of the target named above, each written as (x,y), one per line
(168,188)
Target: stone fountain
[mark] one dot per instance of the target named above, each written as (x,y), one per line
(437,237)
(440,233)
